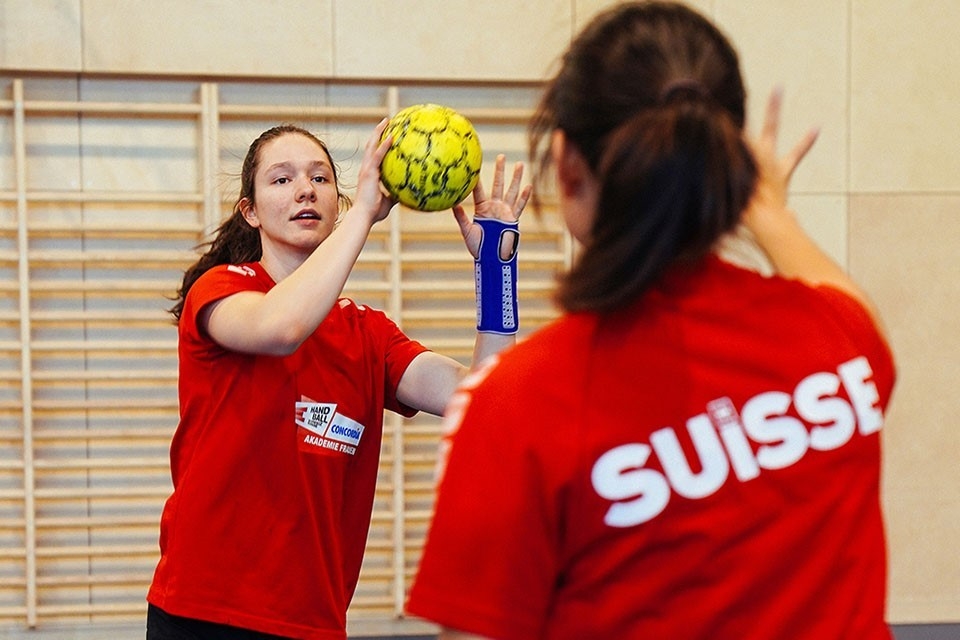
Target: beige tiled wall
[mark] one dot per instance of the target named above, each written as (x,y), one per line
(880,190)
(904,232)
(43,35)
(219,37)
(904,249)
(450,39)
(801,47)
(905,92)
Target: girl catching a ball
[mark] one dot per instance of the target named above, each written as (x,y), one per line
(283,384)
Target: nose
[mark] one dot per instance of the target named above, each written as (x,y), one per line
(306,190)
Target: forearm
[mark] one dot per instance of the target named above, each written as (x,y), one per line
(317,284)
(495,271)
(492,237)
(310,291)
(305,293)
(431,379)
(488,344)
(276,323)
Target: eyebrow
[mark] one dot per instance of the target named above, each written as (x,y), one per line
(287,164)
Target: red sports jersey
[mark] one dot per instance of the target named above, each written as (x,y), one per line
(704,464)
(274,466)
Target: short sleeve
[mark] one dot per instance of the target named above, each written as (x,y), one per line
(218,283)
(864,333)
(399,351)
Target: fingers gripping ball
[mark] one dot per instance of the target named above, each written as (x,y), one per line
(434,160)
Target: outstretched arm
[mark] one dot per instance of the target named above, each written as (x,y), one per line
(504,208)
(791,251)
(431,378)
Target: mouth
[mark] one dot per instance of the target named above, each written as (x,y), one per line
(306,214)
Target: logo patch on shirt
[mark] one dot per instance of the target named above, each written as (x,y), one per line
(242,270)
(320,429)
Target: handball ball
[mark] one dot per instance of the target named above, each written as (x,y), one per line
(434,160)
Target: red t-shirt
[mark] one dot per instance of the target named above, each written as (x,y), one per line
(274,467)
(704,464)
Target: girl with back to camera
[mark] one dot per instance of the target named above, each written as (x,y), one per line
(692,450)
(283,385)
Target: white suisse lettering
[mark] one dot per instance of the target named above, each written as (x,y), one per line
(856,380)
(619,475)
(726,419)
(709,451)
(722,440)
(817,404)
(784,439)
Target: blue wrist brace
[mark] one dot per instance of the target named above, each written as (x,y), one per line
(496,278)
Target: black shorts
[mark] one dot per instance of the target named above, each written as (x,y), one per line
(164,626)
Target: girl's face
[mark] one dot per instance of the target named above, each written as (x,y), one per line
(296,202)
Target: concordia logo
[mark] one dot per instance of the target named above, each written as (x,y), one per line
(722,440)
(321,426)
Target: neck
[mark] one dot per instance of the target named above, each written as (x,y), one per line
(280,265)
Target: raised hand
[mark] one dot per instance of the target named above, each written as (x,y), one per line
(371,198)
(499,205)
(773,173)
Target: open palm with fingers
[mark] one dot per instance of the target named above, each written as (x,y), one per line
(506,206)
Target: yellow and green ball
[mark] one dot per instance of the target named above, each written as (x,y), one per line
(434,160)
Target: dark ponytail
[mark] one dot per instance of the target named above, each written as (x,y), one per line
(234,242)
(651,95)
(673,180)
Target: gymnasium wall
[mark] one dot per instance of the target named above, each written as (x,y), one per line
(880,192)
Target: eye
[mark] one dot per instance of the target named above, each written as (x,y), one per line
(320,179)
(281,180)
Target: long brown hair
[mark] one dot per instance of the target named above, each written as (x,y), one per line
(651,94)
(235,241)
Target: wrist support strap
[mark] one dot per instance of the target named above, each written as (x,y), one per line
(496,278)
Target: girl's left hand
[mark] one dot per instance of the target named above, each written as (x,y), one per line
(769,201)
(501,206)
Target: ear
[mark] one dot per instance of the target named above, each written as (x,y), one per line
(249,214)
(572,168)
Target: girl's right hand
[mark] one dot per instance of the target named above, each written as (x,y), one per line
(371,198)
